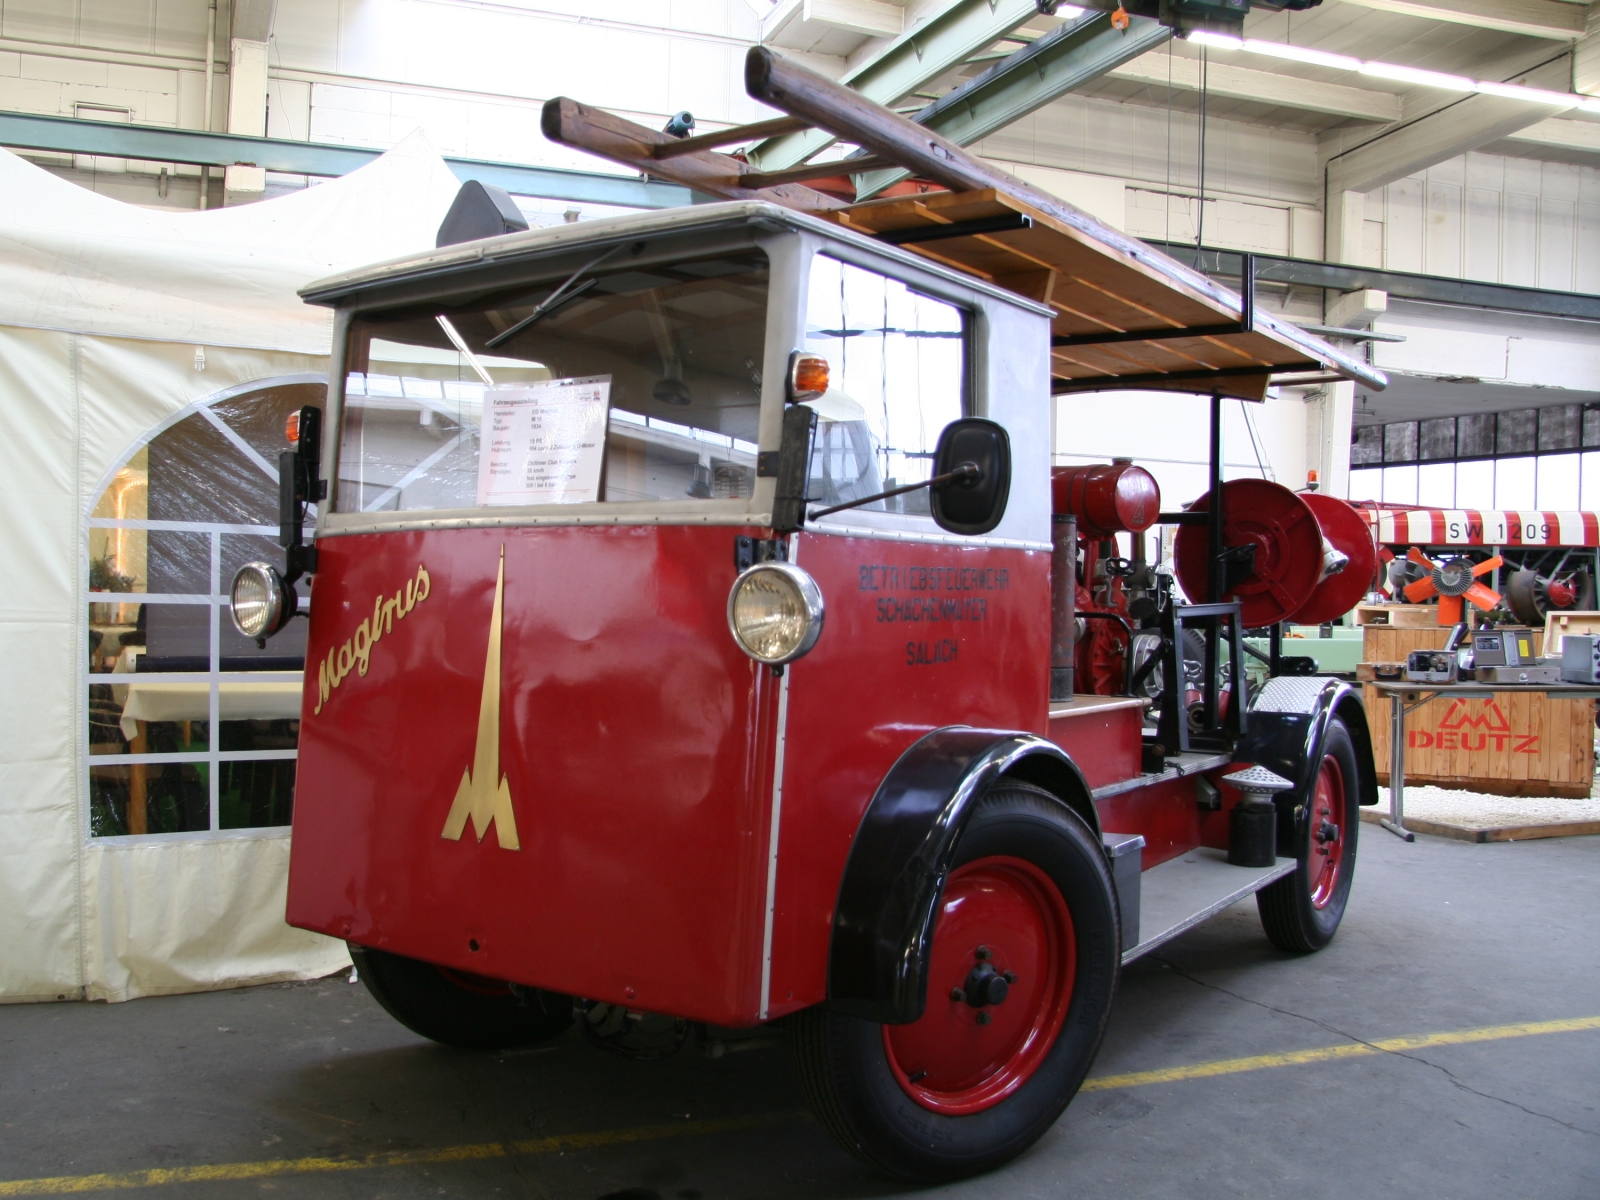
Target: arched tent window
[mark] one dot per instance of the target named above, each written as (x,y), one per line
(198,734)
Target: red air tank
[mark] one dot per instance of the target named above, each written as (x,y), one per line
(1107,498)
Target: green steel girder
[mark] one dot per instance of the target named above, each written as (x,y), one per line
(29,131)
(912,60)
(1064,59)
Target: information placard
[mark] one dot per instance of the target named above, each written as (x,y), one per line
(543,443)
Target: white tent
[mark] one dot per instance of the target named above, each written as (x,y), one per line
(117,322)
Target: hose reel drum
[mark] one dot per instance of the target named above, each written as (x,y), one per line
(1307,558)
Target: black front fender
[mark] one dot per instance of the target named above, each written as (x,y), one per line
(894,878)
(1284,733)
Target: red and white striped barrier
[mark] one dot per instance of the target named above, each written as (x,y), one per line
(1473,527)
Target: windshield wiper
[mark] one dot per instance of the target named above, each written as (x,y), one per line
(562,295)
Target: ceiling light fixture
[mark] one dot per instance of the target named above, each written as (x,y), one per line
(1394,71)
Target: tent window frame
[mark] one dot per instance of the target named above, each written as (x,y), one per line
(216,599)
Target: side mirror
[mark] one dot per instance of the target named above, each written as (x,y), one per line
(974,501)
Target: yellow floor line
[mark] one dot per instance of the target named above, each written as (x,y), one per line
(1260,1062)
(64,1185)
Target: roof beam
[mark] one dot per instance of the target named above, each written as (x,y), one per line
(1464,125)
(29,131)
(1066,58)
(1573,137)
(1531,18)
(1264,87)
(1304,272)
(940,44)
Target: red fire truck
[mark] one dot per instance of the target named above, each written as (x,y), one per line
(692,631)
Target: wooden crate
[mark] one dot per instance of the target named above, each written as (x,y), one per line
(1390,643)
(1558,624)
(1513,744)
(1410,616)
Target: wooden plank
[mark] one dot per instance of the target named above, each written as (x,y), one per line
(622,141)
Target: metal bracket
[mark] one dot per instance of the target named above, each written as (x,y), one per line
(1238,565)
(748,551)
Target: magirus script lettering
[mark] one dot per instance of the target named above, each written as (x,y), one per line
(356,651)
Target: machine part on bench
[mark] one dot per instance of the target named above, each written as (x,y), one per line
(950,1095)
(1253,823)
(458,1008)
(1301,912)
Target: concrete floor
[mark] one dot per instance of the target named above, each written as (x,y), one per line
(1440,936)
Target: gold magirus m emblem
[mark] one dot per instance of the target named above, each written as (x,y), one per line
(484,794)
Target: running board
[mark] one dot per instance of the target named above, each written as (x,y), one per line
(1184,891)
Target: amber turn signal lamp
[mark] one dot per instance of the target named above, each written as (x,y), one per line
(808,376)
(291,428)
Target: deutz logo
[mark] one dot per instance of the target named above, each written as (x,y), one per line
(484,794)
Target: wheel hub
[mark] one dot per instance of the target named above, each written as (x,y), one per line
(1327,841)
(1001,972)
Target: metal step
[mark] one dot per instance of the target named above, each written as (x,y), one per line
(1182,892)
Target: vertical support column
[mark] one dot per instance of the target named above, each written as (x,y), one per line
(1330,412)
(247,114)
(1343,227)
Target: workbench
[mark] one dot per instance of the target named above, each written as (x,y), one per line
(1408,697)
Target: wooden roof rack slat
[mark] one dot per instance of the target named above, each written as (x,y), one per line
(1126,315)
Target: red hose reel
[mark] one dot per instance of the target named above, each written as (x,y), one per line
(1292,535)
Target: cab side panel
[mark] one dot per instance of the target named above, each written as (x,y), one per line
(630,744)
(917,636)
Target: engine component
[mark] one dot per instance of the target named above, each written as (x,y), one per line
(1531,596)
(1349,534)
(1452,580)
(1279,529)
(1107,499)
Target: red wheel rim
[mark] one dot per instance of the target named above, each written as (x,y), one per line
(1326,855)
(953,1061)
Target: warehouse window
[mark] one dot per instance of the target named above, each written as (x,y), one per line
(191,728)
(1534,458)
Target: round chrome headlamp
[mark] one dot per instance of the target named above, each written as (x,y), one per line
(775,612)
(262,602)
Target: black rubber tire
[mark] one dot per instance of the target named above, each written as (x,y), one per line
(844,1069)
(1291,922)
(464,1012)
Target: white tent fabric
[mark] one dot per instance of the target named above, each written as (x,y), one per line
(74,260)
(102,308)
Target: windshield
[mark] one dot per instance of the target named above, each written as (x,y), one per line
(610,383)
